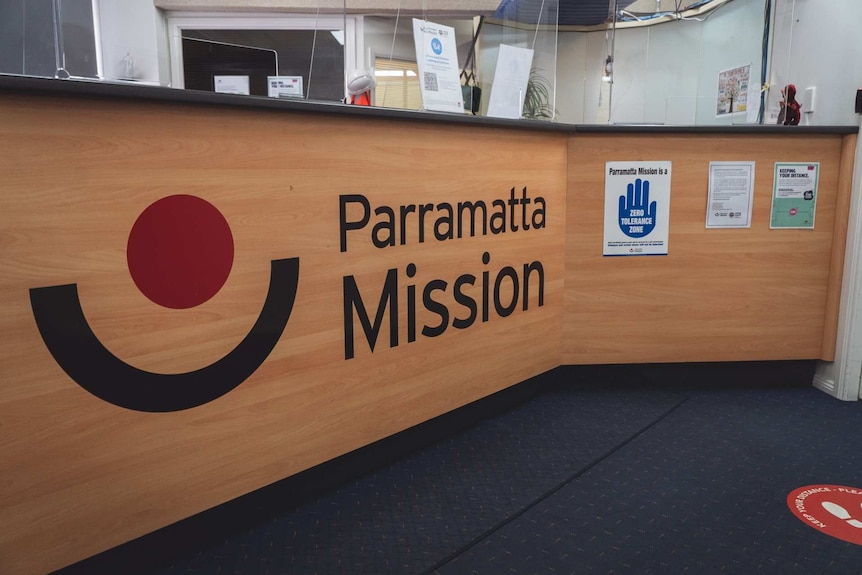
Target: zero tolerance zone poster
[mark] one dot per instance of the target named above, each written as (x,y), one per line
(637,208)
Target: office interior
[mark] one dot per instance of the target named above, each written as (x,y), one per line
(103,118)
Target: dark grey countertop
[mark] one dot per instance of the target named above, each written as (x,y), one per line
(133,91)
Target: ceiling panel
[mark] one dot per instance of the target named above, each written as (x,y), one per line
(584,12)
(571,12)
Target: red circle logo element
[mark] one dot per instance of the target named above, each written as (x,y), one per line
(180,251)
(834,510)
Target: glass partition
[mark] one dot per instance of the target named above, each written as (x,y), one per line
(816,48)
(416,60)
(688,66)
(48,38)
(517,61)
(299,56)
(293,63)
(703,62)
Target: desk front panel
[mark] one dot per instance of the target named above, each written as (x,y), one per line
(719,294)
(153,401)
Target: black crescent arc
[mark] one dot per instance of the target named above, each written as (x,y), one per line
(69,338)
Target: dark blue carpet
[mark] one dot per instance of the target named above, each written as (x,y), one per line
(676,469)
(410,515)
(702,491)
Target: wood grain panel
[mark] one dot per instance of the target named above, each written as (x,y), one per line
(82,475)
(720,294)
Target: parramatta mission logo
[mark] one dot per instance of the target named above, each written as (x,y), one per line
(180,253)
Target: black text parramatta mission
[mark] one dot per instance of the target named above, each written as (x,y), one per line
(475,295)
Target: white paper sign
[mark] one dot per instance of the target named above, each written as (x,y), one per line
(284,86)
(637,208)
(231,84)
(437,59)
(731,192)
(510,82)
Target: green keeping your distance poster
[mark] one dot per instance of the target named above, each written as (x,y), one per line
(794,195)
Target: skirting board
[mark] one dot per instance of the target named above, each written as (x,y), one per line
(827,385)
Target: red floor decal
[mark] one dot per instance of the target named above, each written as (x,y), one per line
(835,510)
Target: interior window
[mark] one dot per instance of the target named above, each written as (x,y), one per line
(317,56)
(397,84)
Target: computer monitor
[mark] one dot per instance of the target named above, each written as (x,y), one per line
(203,60)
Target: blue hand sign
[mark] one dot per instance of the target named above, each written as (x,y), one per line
(637,214)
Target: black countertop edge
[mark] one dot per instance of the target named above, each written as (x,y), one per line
(132,91)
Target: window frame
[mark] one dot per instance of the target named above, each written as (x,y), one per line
(179,21)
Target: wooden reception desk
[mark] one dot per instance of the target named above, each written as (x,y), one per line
(203,294)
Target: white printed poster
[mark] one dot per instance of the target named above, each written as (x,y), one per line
(731,192)
(284,86)
(510,82)
(637,208)
(437,60)
(732,94)
(231,85)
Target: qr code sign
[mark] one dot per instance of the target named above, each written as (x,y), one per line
(431,82)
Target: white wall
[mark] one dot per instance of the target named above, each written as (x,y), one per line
(631,54)
(672,74)
(665,73)
(133,27)
(818,44)
(572,87)
(732,36)
(841,378)
(593,73)
(668,73)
